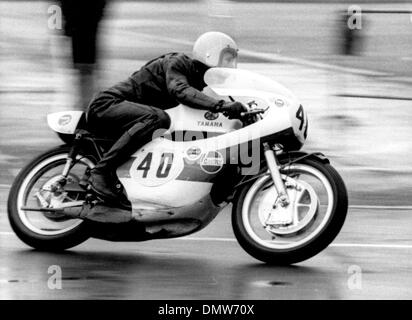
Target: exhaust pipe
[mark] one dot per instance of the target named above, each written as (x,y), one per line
(94,212)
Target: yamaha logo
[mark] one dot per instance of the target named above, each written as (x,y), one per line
(65,119)
(279,102)
(211,116)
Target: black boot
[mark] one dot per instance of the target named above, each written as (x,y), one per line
(103,180)
(106,186)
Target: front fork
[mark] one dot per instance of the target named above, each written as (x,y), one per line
(57,188)
(80,136)
(274,169)
(71,157)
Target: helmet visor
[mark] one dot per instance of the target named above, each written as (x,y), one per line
(228,58)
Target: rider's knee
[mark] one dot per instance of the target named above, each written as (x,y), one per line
(163,120)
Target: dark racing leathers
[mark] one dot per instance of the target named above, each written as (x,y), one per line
(131,111)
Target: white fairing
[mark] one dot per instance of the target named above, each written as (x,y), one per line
(165,175)
(64,121)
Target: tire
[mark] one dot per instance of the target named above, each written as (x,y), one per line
(314,245)
(47,242)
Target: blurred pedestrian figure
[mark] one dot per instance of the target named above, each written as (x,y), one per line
(81,23)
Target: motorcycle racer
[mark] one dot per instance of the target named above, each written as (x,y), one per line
(287,210)
(132,110)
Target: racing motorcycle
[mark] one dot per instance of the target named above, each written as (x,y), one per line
(288,205)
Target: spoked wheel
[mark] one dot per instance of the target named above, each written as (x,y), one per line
(286,235)
(38,186)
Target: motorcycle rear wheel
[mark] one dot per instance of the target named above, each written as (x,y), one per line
(41,230)
(301,241)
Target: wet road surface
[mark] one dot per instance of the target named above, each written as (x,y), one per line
(370,259)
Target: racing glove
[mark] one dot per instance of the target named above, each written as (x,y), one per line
(232,110)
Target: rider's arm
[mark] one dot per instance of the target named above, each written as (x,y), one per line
(179,87)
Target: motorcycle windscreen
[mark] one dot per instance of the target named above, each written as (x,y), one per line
(237,79)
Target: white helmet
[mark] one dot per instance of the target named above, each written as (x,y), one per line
(216,49)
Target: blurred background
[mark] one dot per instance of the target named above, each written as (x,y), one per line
(352,71)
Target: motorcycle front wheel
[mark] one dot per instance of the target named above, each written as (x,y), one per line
(33,187)
(318,207)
